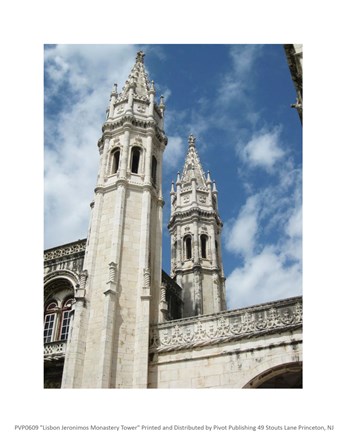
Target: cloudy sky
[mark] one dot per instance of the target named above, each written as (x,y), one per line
(236,100)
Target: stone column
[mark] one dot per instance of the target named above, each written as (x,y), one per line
(214,258)
(140,370)
(72,374)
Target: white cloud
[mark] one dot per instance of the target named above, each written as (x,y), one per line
(271,269)
(230,90)
(174,152)
(294,226)
(82,76)
(243,58)
(241,236)
(263,150)
(234,84)
(263,278)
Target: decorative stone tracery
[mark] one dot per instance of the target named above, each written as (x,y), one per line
(225,326)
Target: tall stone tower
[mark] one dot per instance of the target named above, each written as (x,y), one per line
(195,228)
(119,293)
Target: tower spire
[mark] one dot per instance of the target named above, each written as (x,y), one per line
(192,166)
(138,78)
(195,228)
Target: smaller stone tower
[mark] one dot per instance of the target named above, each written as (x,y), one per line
(195,227)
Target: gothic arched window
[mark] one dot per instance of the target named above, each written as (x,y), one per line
(188,247)
(57,321)
(115,161)
(135,158)
(204,242)
(153,170)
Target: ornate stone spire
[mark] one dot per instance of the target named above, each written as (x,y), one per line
(192,167)
(138,78)
(140,57)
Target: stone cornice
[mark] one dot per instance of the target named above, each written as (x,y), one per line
(131,120)
(225,326)
(193,212)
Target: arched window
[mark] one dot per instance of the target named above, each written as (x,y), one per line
(115,161)
(57,321)
(65,319)
(153,170)
(135,158)
(204,242)
(50,322)
(188,247)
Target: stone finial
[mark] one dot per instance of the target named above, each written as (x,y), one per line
(163,293)
(140,57)
(112,271)
(192,141)
(146,277)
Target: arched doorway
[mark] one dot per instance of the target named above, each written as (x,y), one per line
(289,375)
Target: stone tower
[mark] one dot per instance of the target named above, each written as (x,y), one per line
(195,229)
(119,293)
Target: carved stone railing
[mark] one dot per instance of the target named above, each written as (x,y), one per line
(65,250)
(54,350)
(225,326)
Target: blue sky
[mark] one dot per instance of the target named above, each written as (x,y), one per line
(236,100)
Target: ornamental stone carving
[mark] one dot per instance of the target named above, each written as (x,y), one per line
(146,277)
(70,249)
(54,350)
(225,326)
(113,267)
(141,109)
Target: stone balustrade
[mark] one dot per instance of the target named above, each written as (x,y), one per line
(65,250)
(54,350)
(225,326)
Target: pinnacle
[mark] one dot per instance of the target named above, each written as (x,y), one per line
(140,57)
(192,140)
(192,167)
(138,78)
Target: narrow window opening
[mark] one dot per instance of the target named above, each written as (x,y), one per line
(115,161)
(188,247)
(136,153)
(204,241)
(153,170)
